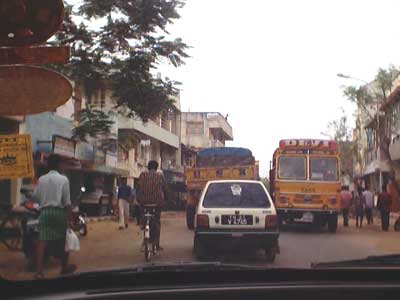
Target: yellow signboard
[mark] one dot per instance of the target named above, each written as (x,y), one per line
(16,156)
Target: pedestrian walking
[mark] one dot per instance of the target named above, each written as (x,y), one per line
(124,197)
(359,203)
(53,194)
(384,204)
(369,205)
(152,189)
(345,203)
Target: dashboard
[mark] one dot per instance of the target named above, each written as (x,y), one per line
(218,285)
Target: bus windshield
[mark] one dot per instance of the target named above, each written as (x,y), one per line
(323,169)
(292,168)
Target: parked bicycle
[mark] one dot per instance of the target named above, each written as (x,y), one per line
(148,240)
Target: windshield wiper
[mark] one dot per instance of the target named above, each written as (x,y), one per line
(392,260)
(170,267)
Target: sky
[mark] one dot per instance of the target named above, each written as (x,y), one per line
(273,65)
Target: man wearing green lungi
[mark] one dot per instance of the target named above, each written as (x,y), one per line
(53,194)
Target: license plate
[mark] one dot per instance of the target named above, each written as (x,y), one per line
(237,235)
(237,220)
(307,217)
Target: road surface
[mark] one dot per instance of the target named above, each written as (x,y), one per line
(107,247)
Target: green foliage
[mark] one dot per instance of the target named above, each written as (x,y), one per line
(92,123)
(385,81)
(340,128)
(342,132)
(125,52)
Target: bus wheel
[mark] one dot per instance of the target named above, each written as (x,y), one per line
(332,223)
(280,221)
(190,212)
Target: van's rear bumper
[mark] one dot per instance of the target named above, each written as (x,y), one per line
(228,238)
(312,210)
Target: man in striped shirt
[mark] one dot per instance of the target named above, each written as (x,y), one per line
(152,189)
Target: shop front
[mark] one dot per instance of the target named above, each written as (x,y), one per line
(100,181)
(89,170)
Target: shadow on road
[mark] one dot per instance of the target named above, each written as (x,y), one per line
(238,256)
(302,228)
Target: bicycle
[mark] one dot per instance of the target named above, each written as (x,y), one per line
(148,240)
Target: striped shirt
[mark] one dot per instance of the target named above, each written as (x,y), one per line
(152,188)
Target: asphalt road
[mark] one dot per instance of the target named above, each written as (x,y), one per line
(107,247)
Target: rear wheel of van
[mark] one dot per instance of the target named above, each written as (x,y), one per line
(190,213)
(270,254)
(332,223)
(199,249)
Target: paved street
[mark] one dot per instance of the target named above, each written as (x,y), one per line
(107,247)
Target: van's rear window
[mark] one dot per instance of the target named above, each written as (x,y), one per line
(234,194)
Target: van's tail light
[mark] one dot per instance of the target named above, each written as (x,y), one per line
(271,222)
(202,222)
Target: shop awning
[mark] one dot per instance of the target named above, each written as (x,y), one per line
(91,167)
(69,163)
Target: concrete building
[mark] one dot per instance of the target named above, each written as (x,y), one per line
(205,129)
(124,152)
(377,138)
(157,139)
(371,165)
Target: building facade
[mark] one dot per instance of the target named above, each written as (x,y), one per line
(376,137)
(205,129)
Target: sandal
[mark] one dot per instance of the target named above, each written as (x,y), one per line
(39,276)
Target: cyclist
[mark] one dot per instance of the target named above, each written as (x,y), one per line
(152,189)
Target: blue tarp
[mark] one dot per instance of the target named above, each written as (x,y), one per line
(225,151)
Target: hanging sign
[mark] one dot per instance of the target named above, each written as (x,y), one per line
(16,160)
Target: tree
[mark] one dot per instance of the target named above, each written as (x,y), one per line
(93,123)
(124,53)
(341,133)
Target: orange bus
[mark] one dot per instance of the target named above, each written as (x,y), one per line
(305,183)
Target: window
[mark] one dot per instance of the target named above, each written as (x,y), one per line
(242,172)
(233,194)
(195,128)
(196,174)
(323,169)
(220,173)
(293,168)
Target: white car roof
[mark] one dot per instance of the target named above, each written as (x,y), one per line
(235,180)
